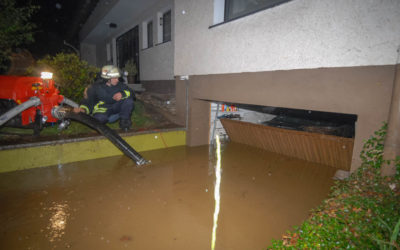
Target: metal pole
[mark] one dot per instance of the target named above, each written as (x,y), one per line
(215,125)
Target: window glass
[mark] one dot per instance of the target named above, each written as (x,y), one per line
(238,8)
(128,48)
(149,34)
(166,26)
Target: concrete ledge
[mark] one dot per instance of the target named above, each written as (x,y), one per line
(66,151)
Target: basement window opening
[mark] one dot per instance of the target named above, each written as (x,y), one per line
(329,123)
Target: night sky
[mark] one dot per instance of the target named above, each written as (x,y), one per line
(58,20)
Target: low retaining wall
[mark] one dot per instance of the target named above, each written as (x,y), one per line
(329,150)
(61,152)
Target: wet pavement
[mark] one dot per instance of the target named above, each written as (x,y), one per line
(112,204)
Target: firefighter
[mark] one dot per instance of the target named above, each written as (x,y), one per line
(108,99)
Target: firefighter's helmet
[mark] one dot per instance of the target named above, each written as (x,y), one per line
(110,71)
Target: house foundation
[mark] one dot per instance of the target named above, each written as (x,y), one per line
(361,91)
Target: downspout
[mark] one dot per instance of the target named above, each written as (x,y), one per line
(392,141)
(215,125)
(186,79)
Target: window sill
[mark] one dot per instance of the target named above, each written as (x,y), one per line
(248,14)
(147,48)
(157,44)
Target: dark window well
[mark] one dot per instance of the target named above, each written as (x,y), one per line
(330,123)
(166,26)
(149,34)
(238,8)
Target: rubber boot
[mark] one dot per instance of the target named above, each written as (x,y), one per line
(125,124)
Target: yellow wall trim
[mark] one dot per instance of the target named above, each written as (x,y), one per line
(66,152)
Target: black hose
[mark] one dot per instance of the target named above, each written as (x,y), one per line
(109,133)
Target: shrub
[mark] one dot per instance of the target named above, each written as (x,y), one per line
(71,74)
(130,67)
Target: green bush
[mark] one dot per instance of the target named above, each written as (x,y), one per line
(362,212)
(71,74)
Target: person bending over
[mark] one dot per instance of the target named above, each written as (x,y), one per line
(108,99)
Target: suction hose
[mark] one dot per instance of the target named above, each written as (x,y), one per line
(70,102)
(34,101)
(104,130)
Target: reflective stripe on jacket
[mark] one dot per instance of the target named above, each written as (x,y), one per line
(100,96)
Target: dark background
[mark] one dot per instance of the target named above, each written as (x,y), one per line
(58,21)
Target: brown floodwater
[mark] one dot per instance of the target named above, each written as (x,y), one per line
(110,203)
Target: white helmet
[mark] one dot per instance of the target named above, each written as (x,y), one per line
(110,71)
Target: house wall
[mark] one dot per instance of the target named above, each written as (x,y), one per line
(88,52)
(101,54)
(364,91)
(332,56)
(295,35)
(96,17)
(156,63)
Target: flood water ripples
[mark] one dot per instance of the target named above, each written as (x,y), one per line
(110,203)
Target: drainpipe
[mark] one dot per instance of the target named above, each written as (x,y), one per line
(186,79)
(72,47)
(392,140)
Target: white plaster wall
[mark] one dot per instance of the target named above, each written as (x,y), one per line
(157,62)
(88,53)
(298,34)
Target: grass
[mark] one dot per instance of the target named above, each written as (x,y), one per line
(140,121)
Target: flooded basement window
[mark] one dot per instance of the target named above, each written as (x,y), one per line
(330,123)
(110,203)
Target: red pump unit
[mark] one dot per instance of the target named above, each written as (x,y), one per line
(20,89)
(35,101)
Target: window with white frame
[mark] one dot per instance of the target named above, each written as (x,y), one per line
(227,10)
(149,34)
(166,26)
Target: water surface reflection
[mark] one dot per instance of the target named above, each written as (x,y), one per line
(58,221)
(111,204)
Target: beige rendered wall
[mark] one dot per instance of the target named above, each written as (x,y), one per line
(294,35)
(364,91)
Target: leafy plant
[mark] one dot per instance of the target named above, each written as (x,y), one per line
(394,234)
(372,151)
(15,28)
(71,74)
(130,67)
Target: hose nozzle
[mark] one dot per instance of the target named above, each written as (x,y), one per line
(59,112)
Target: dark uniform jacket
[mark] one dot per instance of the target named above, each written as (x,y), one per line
(100,96)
